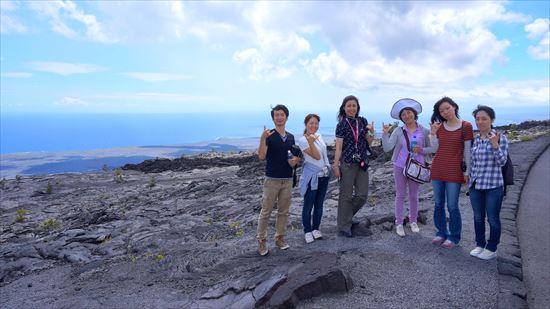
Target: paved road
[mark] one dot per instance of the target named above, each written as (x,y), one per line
(534,232)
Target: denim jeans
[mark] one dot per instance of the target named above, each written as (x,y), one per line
(488,202)
(449,191)
(314,199)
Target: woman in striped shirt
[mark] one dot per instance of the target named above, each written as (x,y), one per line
(488,155)
(454,137)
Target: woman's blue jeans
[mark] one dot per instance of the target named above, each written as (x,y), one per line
(447,191)
(314,199)
(487,202)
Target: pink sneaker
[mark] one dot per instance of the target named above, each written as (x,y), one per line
(447,244)
(438,240)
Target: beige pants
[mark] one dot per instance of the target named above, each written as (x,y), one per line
(275,190)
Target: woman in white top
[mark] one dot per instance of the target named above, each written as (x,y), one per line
(314,178)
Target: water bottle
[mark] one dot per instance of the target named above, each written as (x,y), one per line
(289,155)
(413,143)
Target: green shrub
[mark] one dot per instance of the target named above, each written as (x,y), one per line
(159,257)
(526,138)
(152,182)
(512,135)
(49,224)
(49,188)
(117,175)
(21,212)
(239,231)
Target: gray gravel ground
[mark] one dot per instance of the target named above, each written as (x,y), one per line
(393,272)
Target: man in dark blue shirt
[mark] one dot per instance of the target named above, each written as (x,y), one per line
(274,146)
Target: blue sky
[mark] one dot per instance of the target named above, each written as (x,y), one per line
(172,57)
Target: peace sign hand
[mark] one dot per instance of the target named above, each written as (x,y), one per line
(266,133)
(435,127)
(370,127)
(386,127)
(311,138)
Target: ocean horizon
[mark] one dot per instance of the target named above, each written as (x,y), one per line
(28,132)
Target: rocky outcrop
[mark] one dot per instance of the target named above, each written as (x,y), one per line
(311,275)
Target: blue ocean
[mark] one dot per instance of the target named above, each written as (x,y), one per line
(74,132)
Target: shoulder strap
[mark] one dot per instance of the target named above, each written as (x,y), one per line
(406,138)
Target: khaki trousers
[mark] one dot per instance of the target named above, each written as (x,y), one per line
(354,189)
(275,190)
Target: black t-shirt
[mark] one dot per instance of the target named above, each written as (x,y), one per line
(276,157)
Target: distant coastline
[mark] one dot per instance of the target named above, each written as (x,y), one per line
(39,163)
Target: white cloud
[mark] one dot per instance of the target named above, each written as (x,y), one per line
(65,69)
(157,77)
(62,13)
(540,28)
(17,74)
(511,93)
(8,22)
(537,28)
(72,101)
(156,97)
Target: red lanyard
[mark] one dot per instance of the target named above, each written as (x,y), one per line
(354,132)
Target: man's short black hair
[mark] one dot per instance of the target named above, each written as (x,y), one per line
(279,107)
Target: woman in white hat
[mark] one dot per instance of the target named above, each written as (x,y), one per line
(422,142)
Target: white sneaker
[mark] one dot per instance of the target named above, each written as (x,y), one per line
(476,251)
(309,238)
(317,234)
(487,254)
(414,227)
(399,230)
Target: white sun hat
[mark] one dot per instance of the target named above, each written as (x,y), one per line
(401,104)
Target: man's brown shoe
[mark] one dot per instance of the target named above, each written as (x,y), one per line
(281,243)
(262,247)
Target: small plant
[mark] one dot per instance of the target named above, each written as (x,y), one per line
(372,200)
(526,138)
(106,239)
(49,224)
(133,258)
(21,212)
(239,231)
(152,182)
(18,178)
(513,126)
(159,257)
(118,175)
(209,221)
(105,168)
(49,188)
(512,135)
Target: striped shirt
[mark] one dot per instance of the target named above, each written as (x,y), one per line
(487,163)
(446,165)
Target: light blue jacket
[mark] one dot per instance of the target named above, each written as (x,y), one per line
(310,172)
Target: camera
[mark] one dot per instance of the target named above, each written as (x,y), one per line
(296,151)
(356,158)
